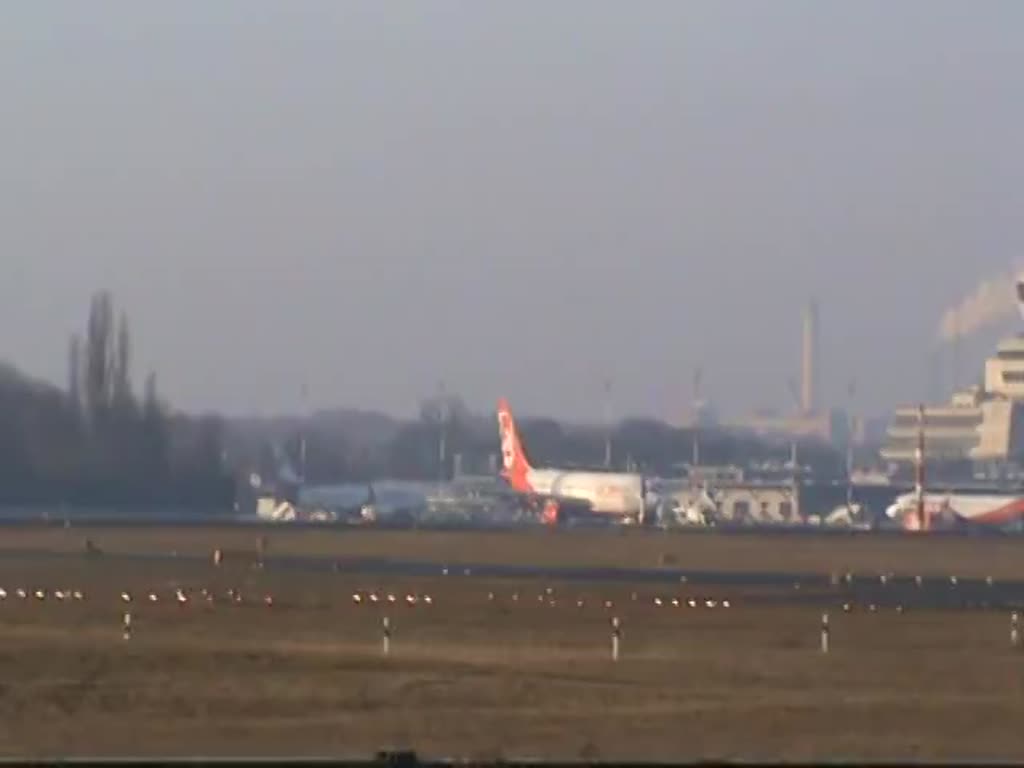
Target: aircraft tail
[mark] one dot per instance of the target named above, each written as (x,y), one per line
(515,466)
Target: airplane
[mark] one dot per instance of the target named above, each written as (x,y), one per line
(287,498)
(949,510)
(319,504)
(569,493)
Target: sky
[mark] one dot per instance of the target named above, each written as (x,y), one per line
(311,204)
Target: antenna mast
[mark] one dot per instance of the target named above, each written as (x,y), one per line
(922,521)
(442,419)
(696,418)
(302,433)
(850,391)
(608,423)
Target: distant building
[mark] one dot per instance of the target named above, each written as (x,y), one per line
(982,424)
(828,426)
(742,503)
(1004,373)
(716,475)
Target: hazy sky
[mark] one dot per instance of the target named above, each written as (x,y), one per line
(516,197)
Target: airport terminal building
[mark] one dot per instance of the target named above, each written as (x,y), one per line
(980,425)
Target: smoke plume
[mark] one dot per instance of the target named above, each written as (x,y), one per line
(989,304)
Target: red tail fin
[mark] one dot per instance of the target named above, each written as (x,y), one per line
(515,467)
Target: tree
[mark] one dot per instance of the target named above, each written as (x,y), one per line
(413,453)
(648,442)
(120,452)
(98,356)
(326,458)
(121,386)
(75,374)
(543,440)
(153,436)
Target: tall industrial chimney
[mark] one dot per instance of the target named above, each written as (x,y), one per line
(1019,290)
(808,378)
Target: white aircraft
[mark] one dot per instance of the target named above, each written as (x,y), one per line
(621,496)
(323,504)
(998,510)
(388,502)
(288,498)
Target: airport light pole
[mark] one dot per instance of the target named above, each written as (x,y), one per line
(302,433)
(442,410)
(850,391)
(955,352)
(696,420)
(793,458)
(608,423)
(919,470)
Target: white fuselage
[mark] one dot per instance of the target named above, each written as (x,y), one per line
(606,493)
(983,509)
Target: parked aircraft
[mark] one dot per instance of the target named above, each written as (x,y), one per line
(563,493)
(388,502)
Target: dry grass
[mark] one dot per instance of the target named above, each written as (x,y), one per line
(861,553)
(480,677)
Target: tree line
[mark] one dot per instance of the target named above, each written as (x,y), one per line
(98,442)
(448,437)
(103,441)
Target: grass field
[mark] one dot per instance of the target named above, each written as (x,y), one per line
(999,557)
(488,668)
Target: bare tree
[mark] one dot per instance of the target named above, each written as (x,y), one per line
(121,393)
(75,374)
(98,356)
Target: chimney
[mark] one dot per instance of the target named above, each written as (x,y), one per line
(1019,290)
(808,376)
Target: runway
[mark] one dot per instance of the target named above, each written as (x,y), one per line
(774,587)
